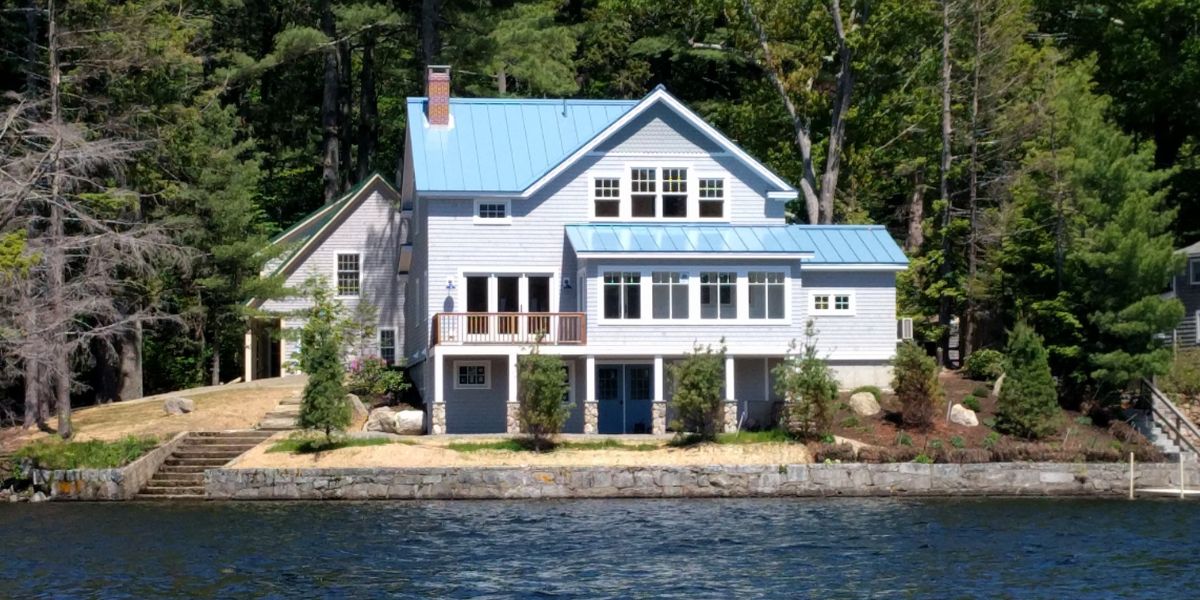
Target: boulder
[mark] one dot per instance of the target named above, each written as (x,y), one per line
(178,405)
(357,407)
(380,419)
(38,497)
(963,416)
(996,386)
(409,422)
(864,404)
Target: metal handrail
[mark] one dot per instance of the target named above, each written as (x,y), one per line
(1159,402)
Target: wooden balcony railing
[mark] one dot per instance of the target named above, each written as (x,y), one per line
(509,328)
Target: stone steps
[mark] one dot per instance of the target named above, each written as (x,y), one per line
(284,417)
(181,476)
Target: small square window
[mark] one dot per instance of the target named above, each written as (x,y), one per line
(821,302)
(841,303)
(471,375)
(491,210)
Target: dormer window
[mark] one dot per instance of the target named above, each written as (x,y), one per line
(712,198)
(606,196)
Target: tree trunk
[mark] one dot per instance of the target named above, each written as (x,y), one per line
(345,98)
(916,213)
(967,330)
(105,374)
(60,371)
(32,395)
(431,43)
(837,125)
(330,157)
(129,351)
(944,307)
(368,108)
(216,363)
(502,81)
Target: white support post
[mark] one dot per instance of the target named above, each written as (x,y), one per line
(729,395)
(512,414)
(248,357)
(437,416)
(658,417)
(591,410)
(731,407)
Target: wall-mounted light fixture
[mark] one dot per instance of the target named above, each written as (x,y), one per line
(451,284)
(566,283)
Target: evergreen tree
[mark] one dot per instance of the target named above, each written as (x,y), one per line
(808,387)
(323,406)
(915,380)
(1028,403)
(542,387)
(699,395)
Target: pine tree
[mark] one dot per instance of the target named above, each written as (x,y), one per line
(323,406)
(543,385)
(699,392)
(1028,403)
(808,387)
(915,380)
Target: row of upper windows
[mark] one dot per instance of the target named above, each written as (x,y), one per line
(684,296)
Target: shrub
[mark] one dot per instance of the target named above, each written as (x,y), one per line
(851,422)
(55,454)
(823,452)
(371,378)
(699,392)
(903,439)
(808,388)
(985,365)
(972,403)
(1125,432)
(915,380)
(924,459)
(870,389)
(542,387)
(958,442)
(991,439)
(1028,403)
(1184,377)
(323,406)
(981,391)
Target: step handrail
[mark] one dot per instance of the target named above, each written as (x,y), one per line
(1165,411)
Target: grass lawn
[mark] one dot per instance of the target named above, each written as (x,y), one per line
(312,445)
(52,453)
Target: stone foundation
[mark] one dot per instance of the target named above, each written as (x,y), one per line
(730,417)
(512,417)
(904,479)
(591,417)
(658,417)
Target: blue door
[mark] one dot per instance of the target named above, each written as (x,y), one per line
(624,394)
(609,399)
(639,396)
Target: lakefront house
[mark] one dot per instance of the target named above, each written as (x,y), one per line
(1186,287)
(618,234)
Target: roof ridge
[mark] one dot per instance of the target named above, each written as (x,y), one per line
(548,101)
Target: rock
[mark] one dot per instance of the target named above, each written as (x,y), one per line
(864,404)
(963,416)
(409,422)
(357,407)
(14,498)
(380,419)
(38,497)
(996,386)
(178,405)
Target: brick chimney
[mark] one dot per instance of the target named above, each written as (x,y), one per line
(437,88)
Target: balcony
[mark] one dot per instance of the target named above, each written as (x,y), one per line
(510,328)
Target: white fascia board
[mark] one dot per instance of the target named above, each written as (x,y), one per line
(792,195)
(608,352)
(854,267)
(658,94)
(466,194)
(694,255)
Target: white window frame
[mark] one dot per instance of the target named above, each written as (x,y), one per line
(1194,269)
(487,374)
(596,313)
(621,286)
(741,293)
(685,280)
(337,288)
(622,188)
(766,285)
(832,311)
(694,175)
(395,345)
(724,197)
(481,220)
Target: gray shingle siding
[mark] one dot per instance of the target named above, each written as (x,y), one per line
(1189,294)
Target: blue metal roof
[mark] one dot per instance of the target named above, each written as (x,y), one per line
(828,244)
(502,144)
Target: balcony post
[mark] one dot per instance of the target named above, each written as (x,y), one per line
(437,416)
(658,418)
(512,408)
(591,409)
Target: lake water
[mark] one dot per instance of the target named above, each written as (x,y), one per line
(754,548)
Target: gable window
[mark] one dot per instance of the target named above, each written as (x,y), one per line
(606,196)
(718,295)
(712,198)
(471,375)
(492,212)
(766,295)
(675,193)
(622,295)
(643,192)
(669,295)
(387,346)
(1194,267)
(832,303)
(348,275)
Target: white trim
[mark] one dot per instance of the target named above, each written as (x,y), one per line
(1194,268)
(395,344)
(856,267)
(337,292)
(782,195)
(616,352)
(506,220)
(698,254)
(487,374)
(646,288)
(522,273)
(831,295)
(659,94)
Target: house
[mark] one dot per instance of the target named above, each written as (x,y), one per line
(1186,287)
(619,235)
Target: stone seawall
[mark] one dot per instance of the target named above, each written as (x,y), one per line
(901,479)
(109,484)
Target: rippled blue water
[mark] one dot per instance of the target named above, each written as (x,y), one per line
(827,548)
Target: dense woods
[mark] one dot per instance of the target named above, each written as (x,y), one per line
(1038,159)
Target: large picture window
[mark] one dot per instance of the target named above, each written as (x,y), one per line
(766,295)
(623,295)
(718,295)
(670,295)
(349,275)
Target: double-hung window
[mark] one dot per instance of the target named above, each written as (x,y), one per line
(606,196)
(387,346)
(766,295)
(669,295)
(622,295)
(349,275)
(674,194)
(643,192)
(712,198)
(718,295)
(832,303)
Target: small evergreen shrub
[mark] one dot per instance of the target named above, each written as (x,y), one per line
(958,442)
(699,392)
(924,459)
(371,378)
(882,454)
(981,391)
(1184,377)
(542,387)
(915,380)
(991,439)
(903,439)
(1028,403)
(972,403)
(323,406)
(870,389)
(984,365)
(808,388)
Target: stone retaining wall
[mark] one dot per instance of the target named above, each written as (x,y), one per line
(109,484)
(902,479)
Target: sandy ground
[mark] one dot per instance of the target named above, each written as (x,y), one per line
(233,406)
(432,452)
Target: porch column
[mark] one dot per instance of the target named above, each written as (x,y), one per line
(248,357)
(731,416)
(591,409)
(658,416)
(437,418)
(512,418)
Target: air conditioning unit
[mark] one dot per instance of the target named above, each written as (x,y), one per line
(904,329)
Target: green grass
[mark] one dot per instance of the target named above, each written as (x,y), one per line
(754,437)
(522,445)
(56,454)
(312,445)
